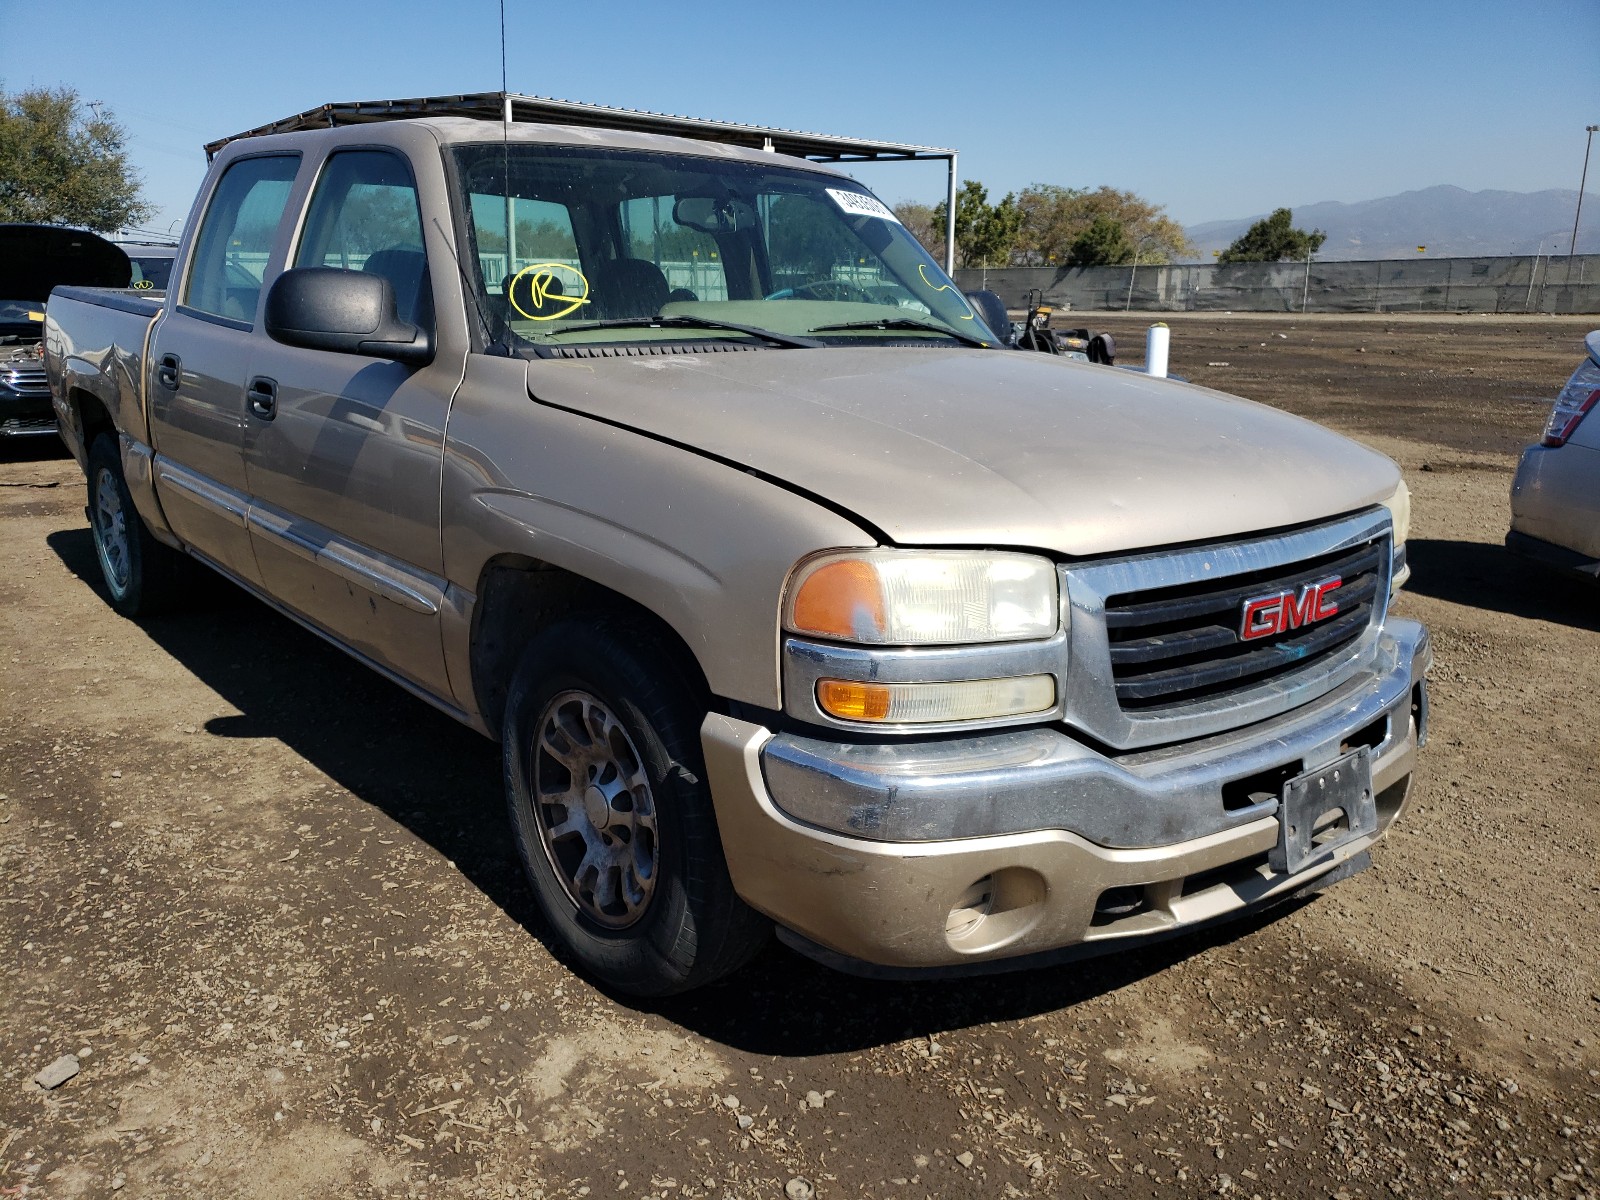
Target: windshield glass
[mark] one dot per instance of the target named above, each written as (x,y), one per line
(568,237)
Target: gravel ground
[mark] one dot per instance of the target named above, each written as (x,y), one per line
(258,907)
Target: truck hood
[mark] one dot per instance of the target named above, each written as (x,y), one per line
(987,447)
(36,258)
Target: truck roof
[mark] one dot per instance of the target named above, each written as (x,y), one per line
(515,108)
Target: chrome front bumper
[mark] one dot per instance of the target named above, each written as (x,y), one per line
(875,852)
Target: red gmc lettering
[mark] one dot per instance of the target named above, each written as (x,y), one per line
(1267,615)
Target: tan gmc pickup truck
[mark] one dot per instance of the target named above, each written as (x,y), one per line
(793,598)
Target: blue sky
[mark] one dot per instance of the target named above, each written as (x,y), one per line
(1214,110)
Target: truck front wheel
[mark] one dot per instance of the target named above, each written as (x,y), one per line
(612,814)
(143,576)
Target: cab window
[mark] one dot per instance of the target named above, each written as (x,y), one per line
(236,235)
(364,216)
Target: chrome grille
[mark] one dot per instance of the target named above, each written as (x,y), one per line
(25,381)
(1131,619)
(1181,644)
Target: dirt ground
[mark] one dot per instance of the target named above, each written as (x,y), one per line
(268,902)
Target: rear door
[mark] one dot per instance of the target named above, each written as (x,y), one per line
(199,360)
(344,465)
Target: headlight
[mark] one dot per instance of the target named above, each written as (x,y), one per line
(923,597)
(1399,506)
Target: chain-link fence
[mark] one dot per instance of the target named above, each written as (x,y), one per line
(1512,284)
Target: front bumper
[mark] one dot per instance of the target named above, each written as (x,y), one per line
(933,855)
(25,408)
(25,416)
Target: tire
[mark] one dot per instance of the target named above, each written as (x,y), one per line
(630,873)
(142,576)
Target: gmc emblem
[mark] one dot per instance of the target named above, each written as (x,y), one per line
(1265,616)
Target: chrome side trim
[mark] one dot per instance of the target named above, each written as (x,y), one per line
(1091,698)
(418,592)
(805,662)
(403,585)
(224,501)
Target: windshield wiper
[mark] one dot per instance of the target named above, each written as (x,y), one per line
(888,323)
(681,321)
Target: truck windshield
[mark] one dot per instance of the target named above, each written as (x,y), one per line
(580,245)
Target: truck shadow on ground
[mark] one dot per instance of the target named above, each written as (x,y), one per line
(1484,575)
(32,449)
(441,781)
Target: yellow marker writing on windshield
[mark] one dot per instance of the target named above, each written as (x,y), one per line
(922,269)
(546,287)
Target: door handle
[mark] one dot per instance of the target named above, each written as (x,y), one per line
(262,393)
(168,371)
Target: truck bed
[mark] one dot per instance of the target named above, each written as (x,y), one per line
(97,338)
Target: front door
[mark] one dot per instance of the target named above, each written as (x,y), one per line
(344,452)
(199,360)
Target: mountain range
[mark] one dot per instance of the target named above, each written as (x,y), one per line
(1450,221)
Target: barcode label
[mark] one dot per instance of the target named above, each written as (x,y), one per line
(862,206)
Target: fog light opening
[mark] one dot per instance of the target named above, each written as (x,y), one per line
(1118,904)
(976,903)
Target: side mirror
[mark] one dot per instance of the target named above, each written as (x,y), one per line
(353,312)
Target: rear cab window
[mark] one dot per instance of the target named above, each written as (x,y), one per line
(236,236)
(688,259)
(527,254)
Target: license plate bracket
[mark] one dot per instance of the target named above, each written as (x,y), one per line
(1307,834)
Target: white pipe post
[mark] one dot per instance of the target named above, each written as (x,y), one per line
(1157,344)
(950,222)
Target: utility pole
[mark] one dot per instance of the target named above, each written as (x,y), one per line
(1572,246)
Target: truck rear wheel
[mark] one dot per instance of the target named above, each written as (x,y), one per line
(143,576)
(612,814)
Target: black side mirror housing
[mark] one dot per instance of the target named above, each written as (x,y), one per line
(352,312)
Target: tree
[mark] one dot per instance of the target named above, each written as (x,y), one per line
(62,166)
(925,224)
(985,232)
(1054,218)
(1045,223)
(807,239)
(1105,243)
(1274,239)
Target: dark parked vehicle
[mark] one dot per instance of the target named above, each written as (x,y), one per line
(33,260)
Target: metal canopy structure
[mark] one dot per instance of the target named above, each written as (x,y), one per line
(511,107)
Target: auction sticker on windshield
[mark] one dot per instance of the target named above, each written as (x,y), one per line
(862,206)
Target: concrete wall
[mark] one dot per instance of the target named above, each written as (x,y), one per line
(1395,285)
